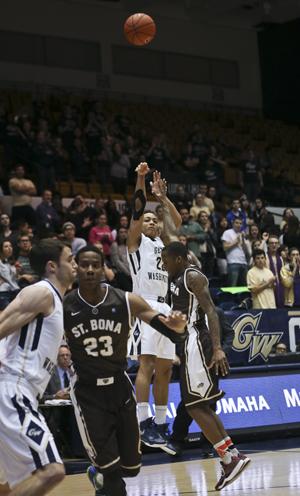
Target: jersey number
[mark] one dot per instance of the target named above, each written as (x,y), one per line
(91,346)
(159,264)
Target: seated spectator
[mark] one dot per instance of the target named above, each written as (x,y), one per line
(236,213)
(181,198)
(191,256)
(8,275)
(119,260)
(290,276)
(82,216)
(236,253)
(281,349)
(261,282)
(21,190)
(199,204)
(274,262)
(69,232)
(102,233)
(193,232)
(5,229)
(47,219)
(26,273)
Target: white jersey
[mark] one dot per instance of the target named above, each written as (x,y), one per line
(31,352)
(149,278)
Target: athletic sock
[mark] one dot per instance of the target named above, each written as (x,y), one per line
(231,446)
(160,414)
(143,411)
(223,451)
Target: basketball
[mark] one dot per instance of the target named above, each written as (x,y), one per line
(139,29)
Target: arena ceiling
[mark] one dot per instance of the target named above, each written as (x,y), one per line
(236,13)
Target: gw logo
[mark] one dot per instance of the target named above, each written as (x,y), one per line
(247,336)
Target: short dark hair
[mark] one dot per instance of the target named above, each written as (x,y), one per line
(88,248)
(46,250)
(149,212)
(257,253)
(176,249)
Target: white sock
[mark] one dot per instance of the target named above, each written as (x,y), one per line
(143,411)
(160,414)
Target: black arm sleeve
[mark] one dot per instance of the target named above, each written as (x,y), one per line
(159,326)
(137,213)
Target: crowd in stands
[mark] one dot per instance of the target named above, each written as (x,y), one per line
(228,229)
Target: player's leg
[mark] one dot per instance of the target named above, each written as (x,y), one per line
(180,429)
(41,482)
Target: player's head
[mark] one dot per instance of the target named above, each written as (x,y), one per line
(150,224)
(175,258)
(90,261)
(52,258)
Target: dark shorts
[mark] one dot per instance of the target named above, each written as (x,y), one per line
(199,384)
(107,421)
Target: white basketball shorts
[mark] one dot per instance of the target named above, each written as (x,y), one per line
(144,340)
(26,444)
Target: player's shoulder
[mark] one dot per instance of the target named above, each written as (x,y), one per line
(70,296)
(115,293)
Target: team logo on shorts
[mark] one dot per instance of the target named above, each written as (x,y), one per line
(35,432)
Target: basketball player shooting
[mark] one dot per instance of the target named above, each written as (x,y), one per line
(97,324)
(32,326)
(203,358)
(150,280)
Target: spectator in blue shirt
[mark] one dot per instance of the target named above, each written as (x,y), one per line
(237,213)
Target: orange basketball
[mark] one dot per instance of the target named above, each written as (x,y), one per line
(139,29)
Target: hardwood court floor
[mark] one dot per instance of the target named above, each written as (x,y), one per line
(273,473)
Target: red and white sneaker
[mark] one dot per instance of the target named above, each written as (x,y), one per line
(232,470)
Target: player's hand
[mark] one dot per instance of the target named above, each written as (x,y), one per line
(158,186)
(142,169)
(219,361)
(175,320)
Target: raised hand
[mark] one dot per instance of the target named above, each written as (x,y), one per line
(142,169)
(158,186)
(175,320)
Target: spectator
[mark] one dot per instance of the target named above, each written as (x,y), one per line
(236,213)
(283,252)
(287,213)
(8,275)
(275,263)
(189,161)
(69,231)
(291,236)
(160,218)
(281,349)
(80,161)
(119,260)
(47,218)
(236,253)
(158,154)
(123,221)
(119,169)
(191,256)
(5,229)
(212,173)
(181,198)
(261,282)
(255,236)
(113,215)
(251,180)
(258,211)
(44,159)
(193,232)
(82,216)
(207,247)
(26,273)
(221,254)
(290,276)
(199,204)
(22,190)
(102,233)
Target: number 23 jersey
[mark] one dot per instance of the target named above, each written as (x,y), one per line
(97,335)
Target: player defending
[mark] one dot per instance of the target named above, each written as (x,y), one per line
(203,357)
(97,325)
(150,280)
(33,327)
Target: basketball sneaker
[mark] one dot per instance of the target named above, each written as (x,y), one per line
(96,480)
(231,471)
(171,447)
(150,435)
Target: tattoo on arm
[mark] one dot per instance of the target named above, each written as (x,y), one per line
(197,283)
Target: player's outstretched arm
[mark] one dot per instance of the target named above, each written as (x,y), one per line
(197,284)
(171,216)
(30,302)
(138,207)
(171,326)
